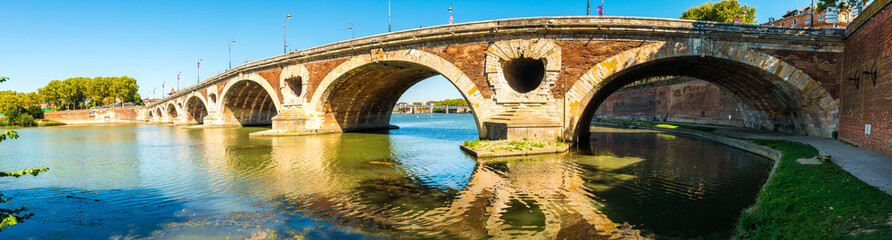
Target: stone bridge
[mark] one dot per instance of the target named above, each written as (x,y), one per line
(540,78)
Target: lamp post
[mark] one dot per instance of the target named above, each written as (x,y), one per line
(284,38)
(451,14)
(812,8)
(352,32)
(588,7)
(197,72)
(230,52)
(388,16)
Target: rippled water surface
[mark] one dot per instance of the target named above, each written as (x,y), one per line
(147,181)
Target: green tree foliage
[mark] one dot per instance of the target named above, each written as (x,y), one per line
(451,102)
(81,92)
(724,11)
(843,5)
(19,108)
(13,216)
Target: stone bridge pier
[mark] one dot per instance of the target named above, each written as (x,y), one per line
(535,78)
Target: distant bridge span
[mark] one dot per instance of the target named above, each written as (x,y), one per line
(541,78)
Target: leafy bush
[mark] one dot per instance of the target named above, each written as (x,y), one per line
(35,111)
(25,120)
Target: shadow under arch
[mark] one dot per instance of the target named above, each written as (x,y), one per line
(248,103)
(766,100)
(359,94)
(158,115)
(172,110)
(196,109)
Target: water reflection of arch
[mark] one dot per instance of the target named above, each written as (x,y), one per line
(497,193)
(545,184)
(303,172)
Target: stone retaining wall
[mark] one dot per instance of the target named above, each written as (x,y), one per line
(106,115)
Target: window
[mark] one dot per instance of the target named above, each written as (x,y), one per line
(821,17)
(794,22)
(807,20)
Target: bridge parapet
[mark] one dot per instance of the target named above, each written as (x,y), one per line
(594,26)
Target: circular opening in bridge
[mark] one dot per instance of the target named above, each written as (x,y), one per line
(524,74)
(213,98)
(294,83)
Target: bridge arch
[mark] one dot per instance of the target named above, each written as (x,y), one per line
(172,111)
(158,115)
(351,102)
(772,94)
(196,108)
(249,101)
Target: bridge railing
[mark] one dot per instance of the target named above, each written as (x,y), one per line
(594,26)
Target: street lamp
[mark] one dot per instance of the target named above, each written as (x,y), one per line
(588,7)
(230,52)
(388,15)
(284,38)
(451,14)
(352,32)
(812,8)
(197,72)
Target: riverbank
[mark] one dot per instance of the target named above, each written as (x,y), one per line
(814,201)
(804,201)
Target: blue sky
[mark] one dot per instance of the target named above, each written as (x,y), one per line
(152,41)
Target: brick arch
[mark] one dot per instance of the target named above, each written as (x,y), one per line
(250,100)
(171,110)
(196,108)
(158,114)
(772,94)
(394,72)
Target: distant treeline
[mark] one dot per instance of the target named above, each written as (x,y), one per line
(448,102)
(72,93)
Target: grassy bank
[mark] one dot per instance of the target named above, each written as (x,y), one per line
(656,124)
(814,202)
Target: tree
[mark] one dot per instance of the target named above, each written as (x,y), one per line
(842,5)
(13,216)
(724,11)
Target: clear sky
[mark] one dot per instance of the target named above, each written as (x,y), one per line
(152,41)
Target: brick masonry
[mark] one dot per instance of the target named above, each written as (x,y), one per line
(676,100)
(105,115)
(352,85)
(868,49)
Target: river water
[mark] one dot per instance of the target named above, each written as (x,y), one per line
(164,182)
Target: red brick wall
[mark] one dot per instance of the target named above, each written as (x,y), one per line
(84,116)
(66,116)
(683,100)
(869,49)
(469,58)
(318,71)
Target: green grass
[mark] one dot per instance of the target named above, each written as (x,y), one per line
(525,144)
(41,122)
(814,202)
(656,124)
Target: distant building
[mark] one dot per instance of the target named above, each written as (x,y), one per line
(832,18)
(148,101)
